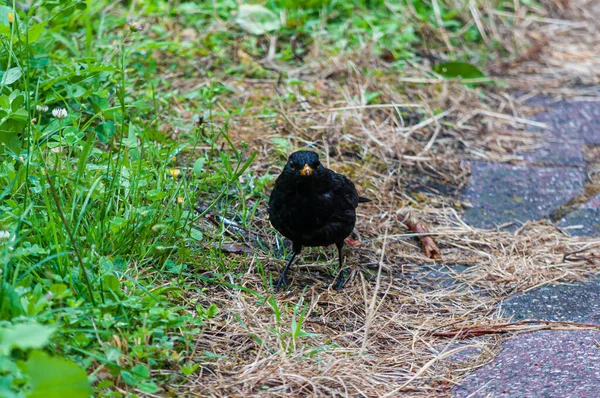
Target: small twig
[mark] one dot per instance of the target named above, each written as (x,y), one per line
(429,247)
(572,256)
(521,326)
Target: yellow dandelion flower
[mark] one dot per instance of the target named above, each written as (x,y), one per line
(174,172)
(11,17)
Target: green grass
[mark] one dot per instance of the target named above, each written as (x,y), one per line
(101,247)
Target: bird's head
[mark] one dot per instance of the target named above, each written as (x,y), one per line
(304,164)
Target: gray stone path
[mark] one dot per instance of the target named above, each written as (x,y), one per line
(556,173)
(574,302)
(587,216)
(544,363)
(501,193)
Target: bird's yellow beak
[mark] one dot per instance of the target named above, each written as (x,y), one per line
(306,171)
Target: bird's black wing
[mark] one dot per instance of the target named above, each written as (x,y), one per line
(349,190)
(345,190)
(280,210)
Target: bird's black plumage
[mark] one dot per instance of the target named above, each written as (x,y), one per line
(312,205)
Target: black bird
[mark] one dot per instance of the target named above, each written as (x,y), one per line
(312,206)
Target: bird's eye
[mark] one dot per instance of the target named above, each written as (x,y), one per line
(292,166)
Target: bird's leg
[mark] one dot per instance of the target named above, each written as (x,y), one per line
(343,276)
(340,280)
(282,278)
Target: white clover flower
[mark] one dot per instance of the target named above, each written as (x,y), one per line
(59,113)
(41,108)
(4,235)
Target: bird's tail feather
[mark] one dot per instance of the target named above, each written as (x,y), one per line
(363,199)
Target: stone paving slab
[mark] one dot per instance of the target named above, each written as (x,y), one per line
(557,152)
(588,216)
(574,302)
(501,193)
(540,364)
(570,119)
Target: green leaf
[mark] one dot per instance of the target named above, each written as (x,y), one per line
(256,19)
(20,115)
(372,96)
(10,141)
(112,353)
(17,102)
(129,378)
(112,282)
(7,365)
(6,390)
(148,387)
(196,234)
(452,70)
(105,131)
(56,378)
(131,141)
(24,336)
(189,369)
(198,166)
(35,31)
(156,194)
(117,223)
(11,76)
(10,302)
(212,311)
(59,291)
(4,102)
(302,333)
(104,384)
(141,371)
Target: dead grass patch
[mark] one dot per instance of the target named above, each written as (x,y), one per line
(409,153)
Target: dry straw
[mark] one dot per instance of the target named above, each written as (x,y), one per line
(398,330)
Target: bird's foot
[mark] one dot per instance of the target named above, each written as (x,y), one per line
(282,281)
(346,275)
